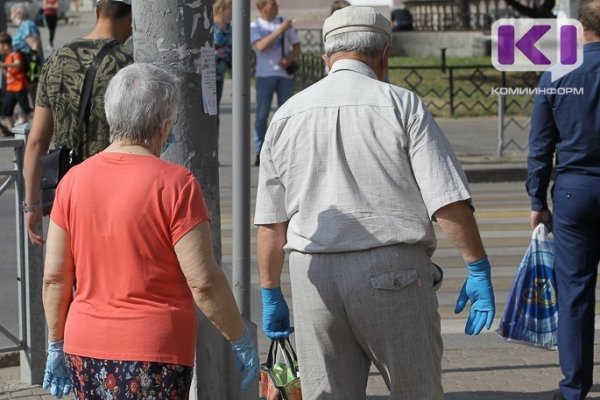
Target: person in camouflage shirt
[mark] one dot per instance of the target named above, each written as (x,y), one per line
(57,104)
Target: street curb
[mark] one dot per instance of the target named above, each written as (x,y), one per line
(10,359)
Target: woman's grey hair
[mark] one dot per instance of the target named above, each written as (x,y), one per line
(367,44)
(21,9)
(138,100)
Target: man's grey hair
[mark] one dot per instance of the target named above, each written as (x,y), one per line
(21,9)
(138,100)
(367,44)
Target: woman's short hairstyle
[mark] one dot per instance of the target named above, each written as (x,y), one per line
(138,100)
(21,9)
(367,44)
(219,5)
(589,16)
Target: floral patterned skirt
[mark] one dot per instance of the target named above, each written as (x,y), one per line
(119,380)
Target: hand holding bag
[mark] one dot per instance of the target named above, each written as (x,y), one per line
(531,312)
(279,379)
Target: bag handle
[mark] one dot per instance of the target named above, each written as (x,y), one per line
(290,357)
(86,91)
(272,355)
(282,39)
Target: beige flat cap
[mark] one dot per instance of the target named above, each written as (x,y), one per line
(356,19)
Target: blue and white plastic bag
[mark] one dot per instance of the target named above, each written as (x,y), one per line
(531,312)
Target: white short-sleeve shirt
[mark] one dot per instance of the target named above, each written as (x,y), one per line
(355,163)
(267,61)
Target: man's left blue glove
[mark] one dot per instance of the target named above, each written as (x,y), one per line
(56,376)
(477,288)
(276,315)
(246,358)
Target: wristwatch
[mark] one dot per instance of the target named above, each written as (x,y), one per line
(31,207)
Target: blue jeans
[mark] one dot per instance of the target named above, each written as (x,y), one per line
(265,88)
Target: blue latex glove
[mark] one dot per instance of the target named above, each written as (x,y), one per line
(56,376)
(246,358)
(477,288)
(276,315)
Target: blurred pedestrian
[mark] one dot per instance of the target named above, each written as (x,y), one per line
(222,42)
(57,105)
(565,137)
(16,90)
(277,47)
(27,40)
(353,172)
(128,330)
(51,17)
(27,37)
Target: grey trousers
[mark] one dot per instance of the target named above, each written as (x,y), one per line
(356,308)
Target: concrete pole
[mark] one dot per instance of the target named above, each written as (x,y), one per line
(176,35)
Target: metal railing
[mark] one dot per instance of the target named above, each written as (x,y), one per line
(455,91)
(510,127)
(14,178)
(31,340)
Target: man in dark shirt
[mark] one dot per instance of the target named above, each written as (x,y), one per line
(566,127)
(57,104)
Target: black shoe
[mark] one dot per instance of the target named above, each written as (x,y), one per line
(257,161)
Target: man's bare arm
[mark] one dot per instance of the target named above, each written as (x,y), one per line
(270,241)
(38,142)
(458,222)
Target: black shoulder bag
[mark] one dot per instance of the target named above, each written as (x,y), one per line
(293,67)
(58,161)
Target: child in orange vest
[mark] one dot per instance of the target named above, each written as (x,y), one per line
(17,85)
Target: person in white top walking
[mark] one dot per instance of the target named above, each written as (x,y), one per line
(353,173)
(277,47)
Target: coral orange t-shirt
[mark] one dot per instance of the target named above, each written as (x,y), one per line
(16,80)
(123,214)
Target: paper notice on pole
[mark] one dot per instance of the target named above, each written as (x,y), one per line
(209,82)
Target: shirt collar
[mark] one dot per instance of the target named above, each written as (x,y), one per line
(353,65)
(592,46)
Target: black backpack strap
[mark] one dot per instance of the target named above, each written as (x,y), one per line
(86,92)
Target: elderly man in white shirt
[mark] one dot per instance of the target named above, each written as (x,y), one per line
(353,172)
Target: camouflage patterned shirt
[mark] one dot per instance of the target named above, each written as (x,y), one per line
(60,87)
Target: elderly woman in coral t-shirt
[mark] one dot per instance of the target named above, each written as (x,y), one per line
(130,232)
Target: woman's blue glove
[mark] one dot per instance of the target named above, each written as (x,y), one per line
(477,288)
(56,376)
(247,358)
(276,315)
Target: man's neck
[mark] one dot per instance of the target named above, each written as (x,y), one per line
(104,29)
(375,66)
(589,37)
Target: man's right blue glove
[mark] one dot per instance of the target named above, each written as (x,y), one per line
(477,288)
(56,376)
(276,315)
